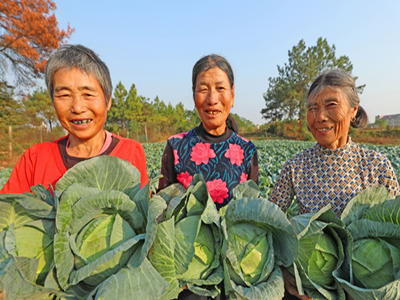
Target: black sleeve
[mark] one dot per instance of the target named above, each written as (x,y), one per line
(167,168)
(253,173)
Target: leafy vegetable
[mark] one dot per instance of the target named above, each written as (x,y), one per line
(186,250)
(27,226)
(257,239)
(373,221)
(325,246)
(105,227)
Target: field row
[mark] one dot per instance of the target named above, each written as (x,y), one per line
(272,154)
(271,157)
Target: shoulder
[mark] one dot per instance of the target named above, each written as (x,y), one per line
(368,155)
(306,154)
(127,148)
(44,148)
(126,141)
(182,136)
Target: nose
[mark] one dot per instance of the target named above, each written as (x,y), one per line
(321,115)
(212,97)
(78,104)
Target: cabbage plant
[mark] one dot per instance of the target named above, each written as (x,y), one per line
(105,227)
(27,227)
(187,250)
(325,246)
(257,239)
(373,219)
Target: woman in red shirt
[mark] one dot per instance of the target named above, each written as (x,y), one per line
(80,86)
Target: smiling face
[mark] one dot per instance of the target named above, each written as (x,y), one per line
(213,98)
(329,116)
(80,105)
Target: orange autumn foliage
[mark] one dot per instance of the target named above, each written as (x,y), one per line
(29,34)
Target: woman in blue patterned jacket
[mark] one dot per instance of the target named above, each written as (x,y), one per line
(335,169)
(213,149)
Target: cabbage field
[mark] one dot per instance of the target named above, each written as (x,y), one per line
(271,157)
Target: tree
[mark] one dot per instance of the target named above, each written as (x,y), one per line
(39,108)
(286,94)
(29,34)
(115,115)
(10,109)
(244,124)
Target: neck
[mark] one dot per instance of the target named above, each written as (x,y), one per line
(86,148)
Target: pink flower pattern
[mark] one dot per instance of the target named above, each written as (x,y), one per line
(185,179)
(244,139)
(178,136)
(235,153)
(201,153)
(218,190)
(243,177)
(176,156)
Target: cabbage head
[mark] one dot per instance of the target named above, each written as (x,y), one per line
(27,228)
(373,219)
(105,227)
(187,249)
(257,239)
(325,245)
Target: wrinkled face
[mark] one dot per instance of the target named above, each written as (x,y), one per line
(328,116)
(80,105)
(213,97)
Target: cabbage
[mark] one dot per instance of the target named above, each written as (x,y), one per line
(105,227)
(325,246)
(186,250)
(373,219)
(257,239)
(27,227)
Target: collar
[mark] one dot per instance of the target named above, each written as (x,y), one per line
(211,138)
(339,151)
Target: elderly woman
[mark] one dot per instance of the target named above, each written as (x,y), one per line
(335,169)
(80,86)
(213,149)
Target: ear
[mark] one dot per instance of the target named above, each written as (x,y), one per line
(354,112)
(109,104)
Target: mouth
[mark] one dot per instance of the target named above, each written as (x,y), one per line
(82,122)
(326,129)
(212,112)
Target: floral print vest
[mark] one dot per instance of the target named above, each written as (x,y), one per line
(223,165)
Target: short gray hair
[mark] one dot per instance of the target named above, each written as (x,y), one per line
(68,57)
(338,78)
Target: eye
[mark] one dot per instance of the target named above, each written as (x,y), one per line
(62,95)
(201,89)
(331,104)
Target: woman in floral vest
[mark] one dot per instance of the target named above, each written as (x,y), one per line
(213,149)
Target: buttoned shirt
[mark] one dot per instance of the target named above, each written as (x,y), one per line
(319,176)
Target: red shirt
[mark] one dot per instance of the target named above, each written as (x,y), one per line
(42,164)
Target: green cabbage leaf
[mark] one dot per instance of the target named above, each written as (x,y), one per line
(105,226)
(27,228)
(373,219)
(257,238)
(187,250)
(325,246)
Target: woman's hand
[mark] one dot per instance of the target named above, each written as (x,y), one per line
(290,284)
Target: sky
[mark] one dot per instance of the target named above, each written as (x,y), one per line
(154,44)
